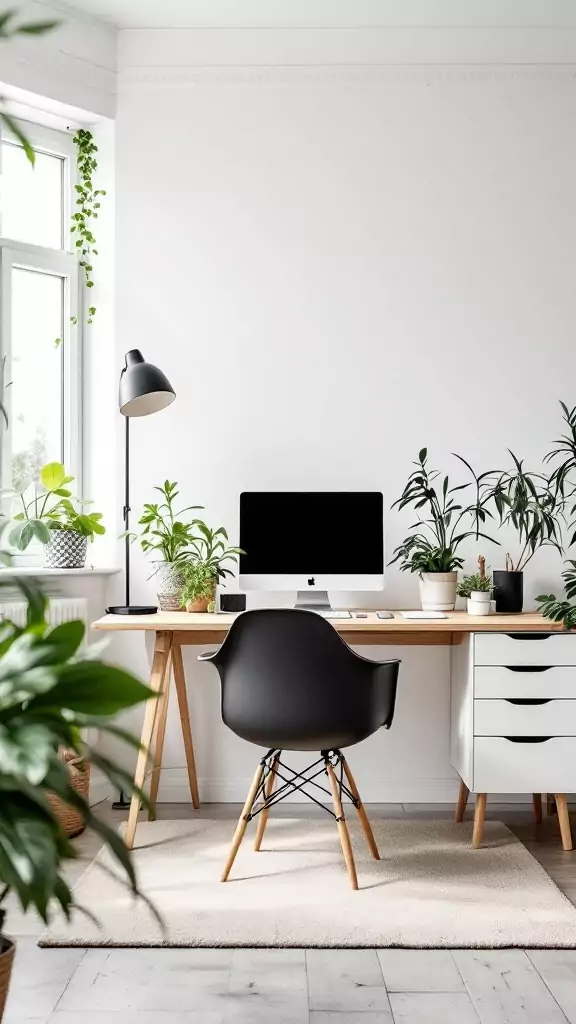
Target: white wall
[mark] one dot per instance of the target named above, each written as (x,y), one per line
(363,249)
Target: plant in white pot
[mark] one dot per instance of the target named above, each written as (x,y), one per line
(431,550)
(477,590)
(168,536)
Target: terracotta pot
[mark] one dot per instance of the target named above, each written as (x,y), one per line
(7,950)
(198,606)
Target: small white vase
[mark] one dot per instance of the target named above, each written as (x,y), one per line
(478,603)
(438,591)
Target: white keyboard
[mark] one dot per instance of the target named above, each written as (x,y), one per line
(330,614)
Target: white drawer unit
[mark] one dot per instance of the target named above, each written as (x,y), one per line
(533,681)
(513,720)
(538,766)
(524,649)
(524,717)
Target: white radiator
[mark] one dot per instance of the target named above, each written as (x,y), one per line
(60,609)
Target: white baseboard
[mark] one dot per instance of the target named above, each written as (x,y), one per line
(174,789)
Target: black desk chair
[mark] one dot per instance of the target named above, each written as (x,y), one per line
(289,682)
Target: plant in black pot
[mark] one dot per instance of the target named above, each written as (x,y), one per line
(444,522)
(530,504)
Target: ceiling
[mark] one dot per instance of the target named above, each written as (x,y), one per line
(326,13)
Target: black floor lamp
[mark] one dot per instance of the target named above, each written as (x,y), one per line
(143,390)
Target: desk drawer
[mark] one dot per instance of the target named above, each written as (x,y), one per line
(524,649)
(505,718)
(520,681)
(505,766)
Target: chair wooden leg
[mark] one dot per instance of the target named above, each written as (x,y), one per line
(366,827)
(478,832)
(263,816)
(159,742)
(160,660)
(342,826)
(463,795)
(243,822)
(564,820)
(537,804)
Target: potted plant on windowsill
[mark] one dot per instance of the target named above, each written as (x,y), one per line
(530,504)
(41,711)
(167,535)
(51,518)
(431,551)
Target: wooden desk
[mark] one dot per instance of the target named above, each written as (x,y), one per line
(175,629)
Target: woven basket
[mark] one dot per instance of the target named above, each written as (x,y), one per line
(6,961)
(70,819)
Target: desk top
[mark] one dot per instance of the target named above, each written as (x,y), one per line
(455,622)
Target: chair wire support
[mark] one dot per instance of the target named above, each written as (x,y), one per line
(298,781)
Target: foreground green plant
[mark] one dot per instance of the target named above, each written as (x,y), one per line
(447,523)
(559,610)
(49,697)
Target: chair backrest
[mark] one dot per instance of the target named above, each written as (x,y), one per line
(289,681)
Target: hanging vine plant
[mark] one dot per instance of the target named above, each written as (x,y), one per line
(89,204)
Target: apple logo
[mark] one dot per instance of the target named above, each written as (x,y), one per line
(311,581)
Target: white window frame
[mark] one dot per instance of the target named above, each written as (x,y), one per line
(59,263)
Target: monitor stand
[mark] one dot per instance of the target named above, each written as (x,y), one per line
(313,600)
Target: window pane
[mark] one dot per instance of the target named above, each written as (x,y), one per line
(31,197)
(37,317)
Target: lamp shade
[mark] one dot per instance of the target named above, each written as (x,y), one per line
(143,387)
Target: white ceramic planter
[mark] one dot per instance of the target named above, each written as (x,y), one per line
(438,591)
(478,603)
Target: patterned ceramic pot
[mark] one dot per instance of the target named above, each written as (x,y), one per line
(169,584)
(6,960)
(66,549)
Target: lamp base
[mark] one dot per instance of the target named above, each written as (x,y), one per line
(132,609)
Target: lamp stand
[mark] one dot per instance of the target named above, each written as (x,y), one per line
(127,608)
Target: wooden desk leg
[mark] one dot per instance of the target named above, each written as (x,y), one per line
(564,820)
(159,741)
(478,831)
(159,662)
(180,681)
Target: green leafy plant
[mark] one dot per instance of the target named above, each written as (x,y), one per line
(199,581)
(529,503)
(164,531)
(559,610)
(447,523)
(50,694)
(42,513)
(10,27)
(211,549)
(474,582)
(565,452)
(88,203)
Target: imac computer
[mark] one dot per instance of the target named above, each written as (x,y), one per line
(312,542)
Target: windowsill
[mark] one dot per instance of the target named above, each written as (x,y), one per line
(42,570)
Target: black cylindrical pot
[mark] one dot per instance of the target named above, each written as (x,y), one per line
(508,590)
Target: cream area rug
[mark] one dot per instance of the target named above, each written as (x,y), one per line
(430,889)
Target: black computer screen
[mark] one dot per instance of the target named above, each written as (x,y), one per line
(323,532)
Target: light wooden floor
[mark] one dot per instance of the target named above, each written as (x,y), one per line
(223,986)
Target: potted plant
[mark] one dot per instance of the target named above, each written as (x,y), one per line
(49,698)
(211,548)
(477,590)
(559,610)
(198,590)
(31,525)
(170,537)
(531,504)
(431,551)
